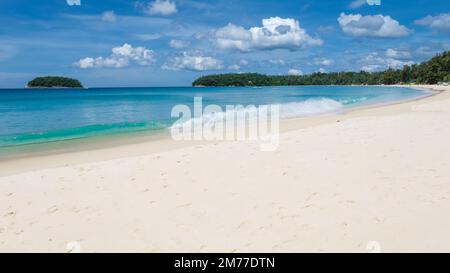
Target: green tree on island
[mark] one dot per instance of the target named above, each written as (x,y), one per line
(50,81)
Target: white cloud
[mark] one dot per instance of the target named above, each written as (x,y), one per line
(73,2)
(178,44)
(111,62)
(440,22)
(120,57)
(109,16)
(147,37)
(397,64)
(275,33)
(372,68)
(141,55)
(371,26)
(324,62)
(193,63)
(162,7)
(357,4)
(86,63)
(398,54)
(295,72)
(322,70)
(376,62)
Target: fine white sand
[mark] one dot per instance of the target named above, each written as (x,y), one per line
(371,180)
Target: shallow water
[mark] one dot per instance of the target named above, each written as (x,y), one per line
(33,116)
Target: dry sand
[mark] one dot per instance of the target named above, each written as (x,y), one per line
(377,180)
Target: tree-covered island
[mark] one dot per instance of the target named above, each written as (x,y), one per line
(430,72)
(54,82)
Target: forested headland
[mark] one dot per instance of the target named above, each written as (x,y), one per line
(432,71)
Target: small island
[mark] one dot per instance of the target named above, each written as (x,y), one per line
(54,82)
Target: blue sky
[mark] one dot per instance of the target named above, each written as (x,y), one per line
(172,42)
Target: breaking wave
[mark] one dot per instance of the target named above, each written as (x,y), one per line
(309,107)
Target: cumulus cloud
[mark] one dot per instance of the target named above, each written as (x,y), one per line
(193,63)
(440,22)
(178,44)
(73,2)
(275,33)
(376,62)
(295,72)
(109,16)
(161,7)
(87,62)
(371,26)
(121,57)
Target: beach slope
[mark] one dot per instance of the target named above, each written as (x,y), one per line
(371,180)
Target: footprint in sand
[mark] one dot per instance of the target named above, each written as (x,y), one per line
(20,232)
(52,210)
(11,213)
(312,195)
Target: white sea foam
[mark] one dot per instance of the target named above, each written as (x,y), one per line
(209,119)
(309,107)
(242,123)
(287,110)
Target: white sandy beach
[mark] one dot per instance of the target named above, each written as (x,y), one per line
(379,179)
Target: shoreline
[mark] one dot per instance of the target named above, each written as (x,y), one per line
(140,143)
(340,183)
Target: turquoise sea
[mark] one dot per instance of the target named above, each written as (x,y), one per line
(37,116)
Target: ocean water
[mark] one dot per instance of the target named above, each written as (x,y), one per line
(37,116)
